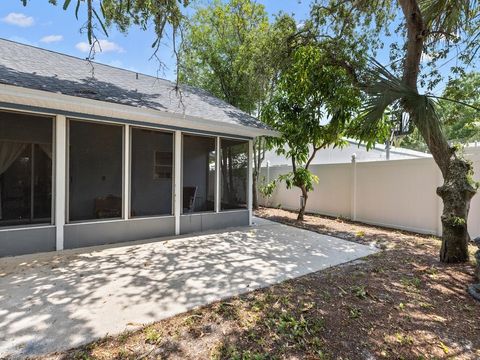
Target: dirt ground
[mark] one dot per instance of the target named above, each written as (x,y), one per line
(400,303)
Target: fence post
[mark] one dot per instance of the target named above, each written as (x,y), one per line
(353,210)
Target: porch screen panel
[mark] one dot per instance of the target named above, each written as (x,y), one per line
(234,173)
(199,158)
(25,169)
(151,173)
(95,171)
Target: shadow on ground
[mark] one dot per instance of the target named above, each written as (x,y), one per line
(56,301)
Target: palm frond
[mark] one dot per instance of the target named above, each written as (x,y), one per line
(448,16)
(385,91)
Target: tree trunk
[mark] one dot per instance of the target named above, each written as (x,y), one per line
(457,190)
(301,213)
(255,190)
(258,156)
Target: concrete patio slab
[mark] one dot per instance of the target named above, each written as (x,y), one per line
(55,301)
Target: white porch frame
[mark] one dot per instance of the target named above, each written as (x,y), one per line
(126,171)
(60,171)
(177,192)
(250,183)
(60,162)
(218,195)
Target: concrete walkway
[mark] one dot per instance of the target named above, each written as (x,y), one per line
(56,301)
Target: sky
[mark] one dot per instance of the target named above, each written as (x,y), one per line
(50,27)
(44,25)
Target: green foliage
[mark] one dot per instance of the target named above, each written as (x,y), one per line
(267,189)
(354,312)
(413,282)
(462,123)
(451,33)
(123,14)
(456,221)
(225,351)
(313,102)
(360,292)
(152,336)
(311,106)
(386,91)
(228,50)
(300,177)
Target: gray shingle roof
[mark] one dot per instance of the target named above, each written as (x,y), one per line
(35,68)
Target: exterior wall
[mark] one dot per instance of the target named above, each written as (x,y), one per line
(212,221)
(398,193)
(27,240)
(117,231)
(24,240)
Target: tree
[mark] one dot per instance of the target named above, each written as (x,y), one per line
(101,15)
(462,123)
(229,49)
(430,29)
(311,106)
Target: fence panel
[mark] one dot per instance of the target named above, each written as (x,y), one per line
(398,193)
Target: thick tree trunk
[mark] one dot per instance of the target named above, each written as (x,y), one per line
(301,213)
(457,189)
(456,192)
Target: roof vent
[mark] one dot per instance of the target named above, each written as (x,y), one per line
(136,75)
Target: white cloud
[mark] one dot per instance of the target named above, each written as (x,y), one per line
(101,46)
(51,38)
(19,19)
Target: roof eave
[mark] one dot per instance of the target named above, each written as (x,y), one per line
(54,102)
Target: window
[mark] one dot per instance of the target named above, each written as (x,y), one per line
(95,170)
(199,158)
(151,195)
(234,173)
(25,169)
(163,165)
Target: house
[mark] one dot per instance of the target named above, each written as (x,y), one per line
(91,154)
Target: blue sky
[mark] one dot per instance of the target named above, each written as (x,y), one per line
(50,27)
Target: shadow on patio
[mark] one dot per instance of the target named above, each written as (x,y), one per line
(56,301)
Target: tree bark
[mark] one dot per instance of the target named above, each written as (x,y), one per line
(255,190)
(258,157)
(457,190)
(301,213)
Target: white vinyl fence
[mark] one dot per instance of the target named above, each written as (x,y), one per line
(397,193)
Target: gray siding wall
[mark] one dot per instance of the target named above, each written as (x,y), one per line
(110,232)
(212,221)
(27,241)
